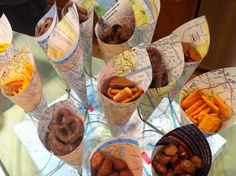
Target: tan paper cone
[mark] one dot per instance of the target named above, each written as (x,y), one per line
(197,33)
(6,37)
(135,14)
(86,31)
(219,82)
(31,97)
(133,64)
(171,51)
(65,39)
(74,158)
(124,148)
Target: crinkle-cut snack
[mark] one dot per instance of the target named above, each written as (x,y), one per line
(209,101)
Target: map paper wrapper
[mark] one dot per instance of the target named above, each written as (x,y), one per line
(219,82)
(197,33)
(192,138)
(6,37)
(75,157)
(137,16)
(65,40)
(172,55)
(31,99)
(43,39)
(124,148)
(86,31)
(133,64)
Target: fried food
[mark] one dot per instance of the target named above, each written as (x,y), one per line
(208,112)
(106,167)
(121,89)
(170,150)
(17,84)
(181,162)
(103,164)
(3,47)
(190,53)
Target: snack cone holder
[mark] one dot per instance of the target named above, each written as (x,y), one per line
(74,158)
(43,39)
(86,29)
(218,82)
(133,64)
(190,137)
(124,148)
(195,32)
(128,13)
(31,99)
(171,52)
(65,50)
(5,39)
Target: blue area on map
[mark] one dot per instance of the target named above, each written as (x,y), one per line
(107,4)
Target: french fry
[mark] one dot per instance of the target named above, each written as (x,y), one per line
(191,99)
(203,112)
(194,107)
(210,104)
(192,119)
(210,123)
(114,91)
(224,108)
(198,110)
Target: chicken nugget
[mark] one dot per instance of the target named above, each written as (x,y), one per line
(174,159)
(126,173)
(188,166)
(106,167)
(197,161)
(164,159)
(119,164)
(170,150)
(97,160)
(115,174)
(178,169)
(159,168)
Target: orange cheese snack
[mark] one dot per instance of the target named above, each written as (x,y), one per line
(224,109)
(210,123)
(190,100)
(210,104)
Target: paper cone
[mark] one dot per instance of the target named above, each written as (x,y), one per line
(74,158)
(123,148)
(197,33)
(194,140)
(219,82)
(137,15)
(43,39)
(65,39)
(171,52)
(133,64)
(86,31)
(6,37)
(31,99)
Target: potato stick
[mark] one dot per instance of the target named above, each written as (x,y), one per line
(194,107)
(200,118)
(9,81)
(134,89)
(193,120)
(109,94)
(16,83)
(198,110)
(224,108)
(210,104)
(190,100)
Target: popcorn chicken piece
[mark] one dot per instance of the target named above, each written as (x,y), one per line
(188,166)
(170,150)
(197,161)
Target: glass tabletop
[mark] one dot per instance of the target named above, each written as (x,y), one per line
(14,153)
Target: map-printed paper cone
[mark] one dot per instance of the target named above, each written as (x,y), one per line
(31,99)
(197,33)
(219,82)
(75,157)
(65,50)
(124,148)
(51,16)
(190,137)
(172,56)
(86,31)
(133,64)
(7,50)
(140,16)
